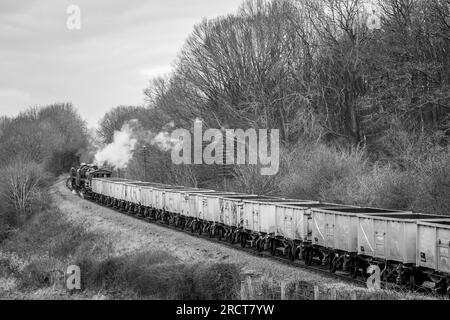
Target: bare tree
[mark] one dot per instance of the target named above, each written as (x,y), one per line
(20,187)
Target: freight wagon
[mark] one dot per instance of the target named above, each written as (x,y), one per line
(433,255)
(335,235)
(389,241)
(207,208)
(410,249)
(177,206)
(112,191)
(232,216)
(269,224)
(175,198)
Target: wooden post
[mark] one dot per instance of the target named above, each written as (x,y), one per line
(333,295)
(296,290)
(251,292)
(243,290)
(316,292)
(283,290)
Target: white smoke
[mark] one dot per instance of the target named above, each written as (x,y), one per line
(164,141)
(120,151)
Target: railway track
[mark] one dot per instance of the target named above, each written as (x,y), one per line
(318,269)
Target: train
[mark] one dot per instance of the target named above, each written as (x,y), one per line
(412,250)
(79,180)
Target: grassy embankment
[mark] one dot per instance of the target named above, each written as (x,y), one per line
(33,259)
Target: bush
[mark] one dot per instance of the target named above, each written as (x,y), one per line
(417,180)
(157,274)
(23,190)
(38,273)
(380,187)
(434,188)
(219,281)
(312,170)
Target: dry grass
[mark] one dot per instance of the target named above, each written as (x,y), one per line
(265,288)
(37,256)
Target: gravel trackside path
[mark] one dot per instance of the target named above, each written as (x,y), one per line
(131,235)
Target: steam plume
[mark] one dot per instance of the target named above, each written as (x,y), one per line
(120,151)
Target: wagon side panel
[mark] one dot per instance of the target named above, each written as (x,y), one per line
(366,243)
(266,218)
(319,232)
(443,249)
(396,238)
(345,231)
(301,218)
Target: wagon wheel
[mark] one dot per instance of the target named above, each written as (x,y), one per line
(259,246)
(272,248)
(333,264)
(211,232)
(321,257)
(412,280)
(308,257)
(354,269)
(298,252)
(233,238)
(220,233)
(291,253)
(301,253)
(243,240)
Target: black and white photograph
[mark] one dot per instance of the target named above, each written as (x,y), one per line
(225,158)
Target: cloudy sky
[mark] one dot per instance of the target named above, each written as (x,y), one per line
(108,62)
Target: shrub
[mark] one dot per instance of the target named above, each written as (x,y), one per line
(379,187)
(157,274)
(23,190)
(217,281)
(434,188)
(38,273)
(312,170)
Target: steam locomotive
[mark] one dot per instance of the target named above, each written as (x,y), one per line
(80,179)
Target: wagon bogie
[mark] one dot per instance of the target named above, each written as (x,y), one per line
(435,282)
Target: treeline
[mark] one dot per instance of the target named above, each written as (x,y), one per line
(314,69)
(37,145)
(363,113)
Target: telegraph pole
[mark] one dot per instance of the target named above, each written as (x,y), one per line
(144,155)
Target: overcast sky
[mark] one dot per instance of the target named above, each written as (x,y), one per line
(108,62)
